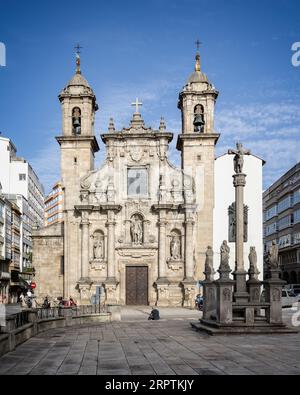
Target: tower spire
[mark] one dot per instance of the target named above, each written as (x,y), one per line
(78,61)
(198,64)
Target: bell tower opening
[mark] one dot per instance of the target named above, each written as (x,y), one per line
(199,120)
(76,121)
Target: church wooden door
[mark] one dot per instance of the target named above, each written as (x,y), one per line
(137,285)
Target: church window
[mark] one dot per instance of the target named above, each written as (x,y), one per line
(75,161)
(76,121)
(137,182)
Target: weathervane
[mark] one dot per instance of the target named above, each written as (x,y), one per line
(198,43)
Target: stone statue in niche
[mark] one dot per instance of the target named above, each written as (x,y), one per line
(136,230)
(225,255)
(175,248)
(98,247)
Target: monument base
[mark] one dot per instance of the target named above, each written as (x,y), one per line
(237,328)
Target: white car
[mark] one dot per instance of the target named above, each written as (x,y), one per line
(289,298)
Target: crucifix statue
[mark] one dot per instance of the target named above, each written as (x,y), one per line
(239,157)
(136,105)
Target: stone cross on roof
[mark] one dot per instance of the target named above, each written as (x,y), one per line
(136,105)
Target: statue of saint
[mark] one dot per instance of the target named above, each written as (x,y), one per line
(225,255)
(209,263)
(175,248)
(273,256)
(253,262)
(98,249)
(137,230)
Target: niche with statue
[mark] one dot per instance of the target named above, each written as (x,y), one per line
(98,250)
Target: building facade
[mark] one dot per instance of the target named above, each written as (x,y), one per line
(138,225)
(282,222)
(21,184)
(54,205)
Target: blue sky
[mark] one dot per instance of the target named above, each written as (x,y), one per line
(146,49)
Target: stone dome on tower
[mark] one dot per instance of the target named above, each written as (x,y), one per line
(78,85)
(198,75)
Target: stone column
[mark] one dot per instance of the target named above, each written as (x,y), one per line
(85,282)
(85,249)
(162,249)
(241,294)
(111,272)
(189,282)
(111,282)
(162,282)
(189,249)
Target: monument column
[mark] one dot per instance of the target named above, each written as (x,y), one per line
(239,181)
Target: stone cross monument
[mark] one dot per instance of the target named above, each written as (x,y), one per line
(239,178)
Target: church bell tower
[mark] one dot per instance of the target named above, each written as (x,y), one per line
(197,145)
(78,143)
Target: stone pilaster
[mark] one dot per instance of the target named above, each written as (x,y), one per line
(273,291)
(224,298)
(111,282)
(84,283)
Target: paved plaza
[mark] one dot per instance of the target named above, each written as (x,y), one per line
(136,346)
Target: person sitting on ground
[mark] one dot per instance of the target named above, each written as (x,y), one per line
(154,315)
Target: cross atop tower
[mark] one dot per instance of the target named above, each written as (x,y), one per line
(78,48)
(198,43)
(136,105)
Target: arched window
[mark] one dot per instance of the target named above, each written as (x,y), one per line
(76,120)
(199,120)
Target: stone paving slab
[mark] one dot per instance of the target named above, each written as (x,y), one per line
(166,347)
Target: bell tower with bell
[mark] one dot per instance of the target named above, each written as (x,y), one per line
(78,143)
(197,145)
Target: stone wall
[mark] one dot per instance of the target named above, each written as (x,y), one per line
(48,252)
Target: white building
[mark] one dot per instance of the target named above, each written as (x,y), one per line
(20,183)
(225,196)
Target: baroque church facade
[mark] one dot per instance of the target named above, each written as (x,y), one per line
(138,227)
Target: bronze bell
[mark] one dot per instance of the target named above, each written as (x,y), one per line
(76,122)
(199,122)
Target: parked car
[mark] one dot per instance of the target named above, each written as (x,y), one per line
(294,288)
(288,298)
